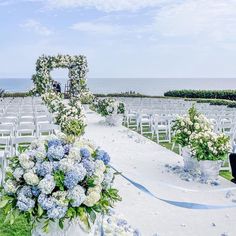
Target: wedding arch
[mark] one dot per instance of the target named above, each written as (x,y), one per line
(77,66)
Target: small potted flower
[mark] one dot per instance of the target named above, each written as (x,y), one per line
(211,150)
(112,110)
(183,127)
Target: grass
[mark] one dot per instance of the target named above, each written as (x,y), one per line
(19,228)
(224,173)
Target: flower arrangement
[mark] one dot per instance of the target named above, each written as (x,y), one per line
(109,106)
(77,66)
(208,145)
(193,122)
(71,117)
(58,180)
(86,97)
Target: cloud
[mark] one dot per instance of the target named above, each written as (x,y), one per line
(36,27)
(100,28)
(107,5)
(208,18)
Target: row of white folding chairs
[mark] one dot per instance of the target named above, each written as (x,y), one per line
(24,129)
(9,145)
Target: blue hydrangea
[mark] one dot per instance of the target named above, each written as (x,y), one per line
(55,153)
(24,203)
(44,168)
(54,142)
(89,166)
(67,149)
(57,212)
(72,178)
(45,202)
(55,165)
(35,191)
(103,156)
(25,192)
(77,195)
(85,153)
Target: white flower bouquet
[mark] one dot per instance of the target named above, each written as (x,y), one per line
(193,122)
(208,145)
(109,106)
(56,180)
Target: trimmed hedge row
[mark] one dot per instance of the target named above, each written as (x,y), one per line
(14,95)
(216,102)
(208,94)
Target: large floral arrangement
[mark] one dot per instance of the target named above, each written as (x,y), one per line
(77,66)
(208,145)
(109,106)
(193,122)
(86,97)
(57,180)
(70,116)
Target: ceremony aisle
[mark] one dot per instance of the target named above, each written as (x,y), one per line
(144,162)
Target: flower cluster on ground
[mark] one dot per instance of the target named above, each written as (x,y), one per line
(77,66)
(116,225)
(56,179)
(109,106)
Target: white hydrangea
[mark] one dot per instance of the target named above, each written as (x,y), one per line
(66,164)
(18,173)
(60,198)
(99,178)
(74,154)
(99,167)
(31,178)
(47,184)
(92,198)
(25,161)
(10,186)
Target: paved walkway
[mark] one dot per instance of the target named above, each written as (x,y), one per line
(144,162)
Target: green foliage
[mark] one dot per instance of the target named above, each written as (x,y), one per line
(19,228)
(73,127)
(207,94)
(59,178)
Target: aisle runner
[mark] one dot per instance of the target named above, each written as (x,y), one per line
(188,205)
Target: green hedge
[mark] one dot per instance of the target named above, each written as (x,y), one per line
(16,95)
(208,94)
(217,102)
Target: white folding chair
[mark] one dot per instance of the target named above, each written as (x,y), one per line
(46,129)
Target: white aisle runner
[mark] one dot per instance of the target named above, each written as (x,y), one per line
(144,162)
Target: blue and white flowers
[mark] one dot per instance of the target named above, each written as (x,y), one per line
(66,182)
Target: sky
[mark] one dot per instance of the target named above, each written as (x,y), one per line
(121,38)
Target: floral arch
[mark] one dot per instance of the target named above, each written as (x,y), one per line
(77,66)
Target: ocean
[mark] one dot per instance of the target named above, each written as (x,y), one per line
(149,86)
